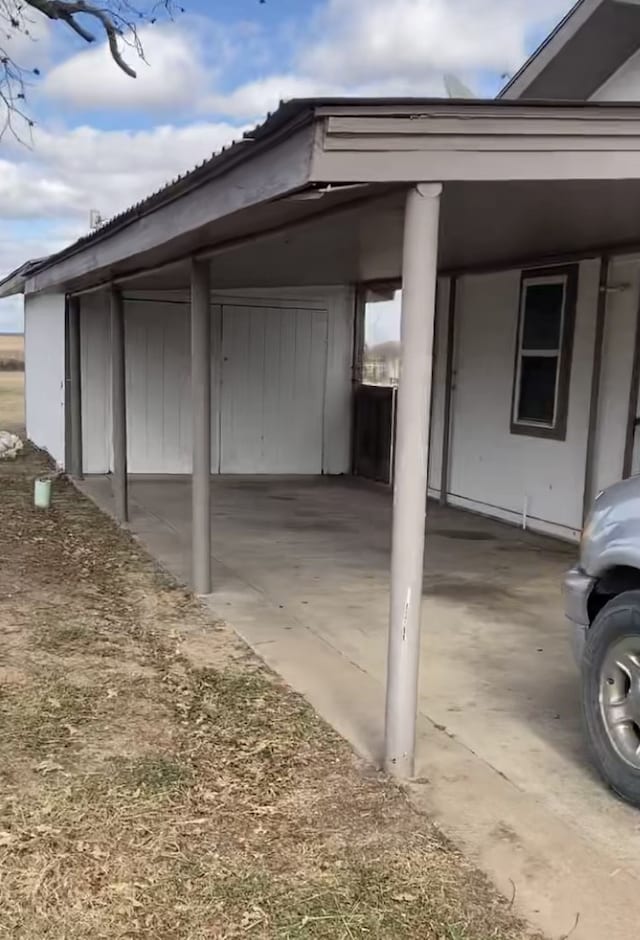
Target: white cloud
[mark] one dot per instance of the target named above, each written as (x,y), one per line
(406,41)
(255,99)
(393,47)
(12,315)
(27,195)
(359,47)
(15,250)
(29,46)
(68,173)
(172,75)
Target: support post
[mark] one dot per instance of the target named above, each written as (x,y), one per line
(419,273)
(119,406)
(201,407)
(75,390)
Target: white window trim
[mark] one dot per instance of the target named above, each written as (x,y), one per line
(539,353)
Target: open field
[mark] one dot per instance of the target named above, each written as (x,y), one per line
(11,350)
(157,781)
(12,402)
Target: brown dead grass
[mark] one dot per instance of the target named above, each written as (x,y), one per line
(142,796)
(12,402)
(12,346)
(11,352)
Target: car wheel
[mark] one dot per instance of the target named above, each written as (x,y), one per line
(611,694)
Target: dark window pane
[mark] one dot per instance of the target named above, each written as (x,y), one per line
(537,389)
(542,316)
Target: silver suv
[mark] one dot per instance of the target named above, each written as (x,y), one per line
(602,599)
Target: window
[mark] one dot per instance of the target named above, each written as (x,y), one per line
(381,359)
(543,353)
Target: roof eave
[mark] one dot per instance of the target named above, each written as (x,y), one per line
(550,47)
(15,282)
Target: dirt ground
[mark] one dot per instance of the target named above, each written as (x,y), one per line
(12,402)
(157,781)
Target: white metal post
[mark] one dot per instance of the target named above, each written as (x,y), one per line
(119,406)
(201,406)
(419,272)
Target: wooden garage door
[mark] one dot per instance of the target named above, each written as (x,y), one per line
(273,379)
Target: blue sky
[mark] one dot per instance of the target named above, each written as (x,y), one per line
(103,141)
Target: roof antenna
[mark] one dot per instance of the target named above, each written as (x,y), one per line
(95,219)
(456,88)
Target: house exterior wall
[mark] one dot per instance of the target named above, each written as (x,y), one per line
(44,329)
(616,371)
(623,85)
(493,471)
(273,385)
(158,371)
(159,389)
(438,388)
(95,359)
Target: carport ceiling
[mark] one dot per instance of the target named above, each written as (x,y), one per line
(483,225)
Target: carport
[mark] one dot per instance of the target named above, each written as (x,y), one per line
(300,568)
(328,195)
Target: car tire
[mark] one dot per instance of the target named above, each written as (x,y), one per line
(611,736)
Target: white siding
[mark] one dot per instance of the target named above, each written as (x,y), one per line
(617,366)
(159,393)
(338,396)
(158,388)
(95,338)
(492,470)
(44,330)
(624,85)
(438,387)
(273,377)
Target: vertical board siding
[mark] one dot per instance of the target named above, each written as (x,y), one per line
(216,385)
(95,340)
(281,402)
(273,379)
(44,330)
(158,388)
(338,397)
(438,387)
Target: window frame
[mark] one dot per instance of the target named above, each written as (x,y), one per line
(568,276)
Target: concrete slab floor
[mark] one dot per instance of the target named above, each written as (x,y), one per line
(301,571)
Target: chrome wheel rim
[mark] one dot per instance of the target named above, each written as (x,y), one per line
(620,698)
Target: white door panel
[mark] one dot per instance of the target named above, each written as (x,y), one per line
(273,378)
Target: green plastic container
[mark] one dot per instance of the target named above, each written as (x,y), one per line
(42,494)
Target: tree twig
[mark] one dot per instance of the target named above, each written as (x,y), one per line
(116,20)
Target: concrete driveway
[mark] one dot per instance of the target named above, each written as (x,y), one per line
(301,571)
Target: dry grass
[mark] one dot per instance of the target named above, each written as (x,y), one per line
(12,346)
(12,402)
(11,351)
(144,796)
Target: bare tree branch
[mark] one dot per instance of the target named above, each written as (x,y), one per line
(115,20)
(111,22)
